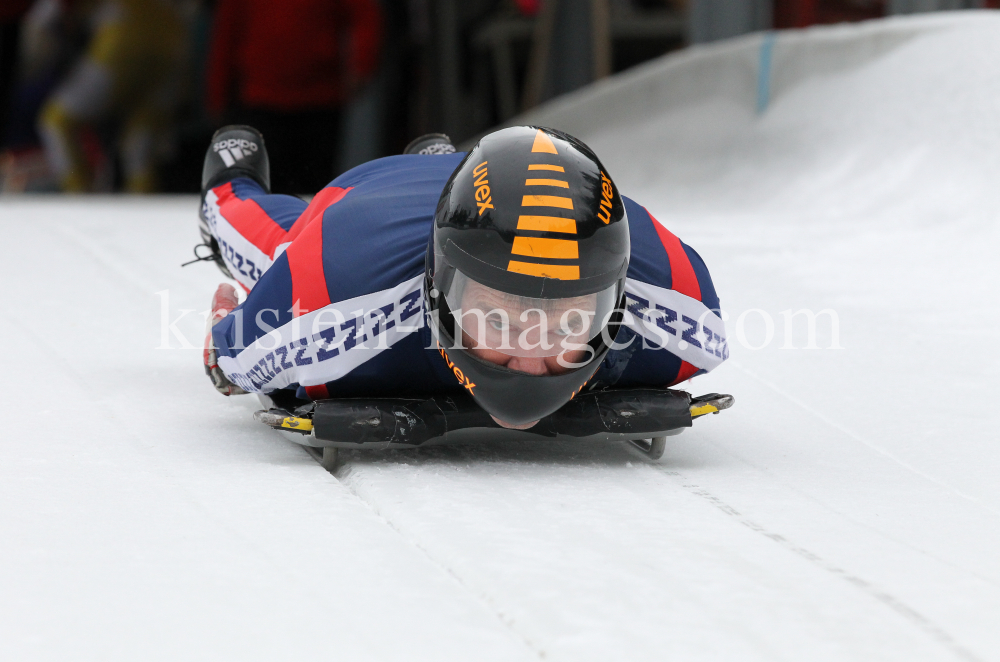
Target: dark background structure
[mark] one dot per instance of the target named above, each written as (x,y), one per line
(334,83)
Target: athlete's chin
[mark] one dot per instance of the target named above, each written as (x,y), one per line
(511,426)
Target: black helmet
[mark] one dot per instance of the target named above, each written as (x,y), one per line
(529,227)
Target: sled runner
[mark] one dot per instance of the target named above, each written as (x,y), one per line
(643,417)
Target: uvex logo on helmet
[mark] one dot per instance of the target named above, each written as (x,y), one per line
(604,211)
(540,216)
(482,185)
(459,375)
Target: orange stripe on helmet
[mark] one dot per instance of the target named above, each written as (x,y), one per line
(559,271)
(558,249)
(547,201)
(547,224)
(546,182)
(543,144)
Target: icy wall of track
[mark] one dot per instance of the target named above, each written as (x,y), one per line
(846,508)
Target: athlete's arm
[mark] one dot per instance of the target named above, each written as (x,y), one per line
(672,307)
(240,335)
(287,334)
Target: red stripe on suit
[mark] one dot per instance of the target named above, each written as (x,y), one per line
(317,392)
(328,196)
(683,280)
(252,222)
(305,263)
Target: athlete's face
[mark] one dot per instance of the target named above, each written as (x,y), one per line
(509,321)
(534,336)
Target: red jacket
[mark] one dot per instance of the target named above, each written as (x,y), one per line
(291,55)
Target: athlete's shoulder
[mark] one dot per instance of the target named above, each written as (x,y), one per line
(672,306)
(661,259)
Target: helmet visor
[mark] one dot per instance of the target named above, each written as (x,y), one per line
(526,326)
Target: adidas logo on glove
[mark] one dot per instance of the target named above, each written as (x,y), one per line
(234,149)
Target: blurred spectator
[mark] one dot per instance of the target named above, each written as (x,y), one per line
(130,74)
(287,69)
(27,50)
(11,13)
(528,7)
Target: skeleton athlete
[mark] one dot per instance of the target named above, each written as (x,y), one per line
(516,273)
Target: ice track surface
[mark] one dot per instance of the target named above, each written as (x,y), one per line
(847,508)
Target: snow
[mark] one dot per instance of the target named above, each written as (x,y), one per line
(846,508)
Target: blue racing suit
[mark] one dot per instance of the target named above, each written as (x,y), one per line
(335,290)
